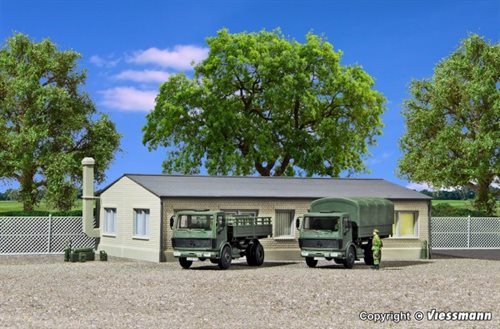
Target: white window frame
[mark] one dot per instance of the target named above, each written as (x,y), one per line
(415,235)
(109,229)
(142,231)
(292,225)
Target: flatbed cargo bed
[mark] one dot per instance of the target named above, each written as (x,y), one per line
(250,227)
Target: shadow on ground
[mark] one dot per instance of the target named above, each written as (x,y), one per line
(490,254)
(204,266)
(386,265)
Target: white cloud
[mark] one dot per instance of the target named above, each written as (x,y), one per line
(129,99)
(101,62)
(179,58)
(143,76)
(419,186)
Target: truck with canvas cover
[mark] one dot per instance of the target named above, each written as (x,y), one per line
(218,237)
(341,229)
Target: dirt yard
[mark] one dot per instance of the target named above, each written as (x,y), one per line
(45,292)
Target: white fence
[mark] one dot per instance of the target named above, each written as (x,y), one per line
(465,233)
(41,235)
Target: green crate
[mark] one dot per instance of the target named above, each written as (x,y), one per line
(82,257)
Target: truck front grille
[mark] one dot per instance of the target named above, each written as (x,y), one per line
(192,243)
(320,243)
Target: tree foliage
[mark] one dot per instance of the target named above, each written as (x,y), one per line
(47,124)
(453,123)
(261,103)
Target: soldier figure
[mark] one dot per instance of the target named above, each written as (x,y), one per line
(376,249)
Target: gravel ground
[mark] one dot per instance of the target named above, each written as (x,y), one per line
(45,292)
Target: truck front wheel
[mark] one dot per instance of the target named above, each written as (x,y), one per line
(225,258)
(311,262)
(185,263)
(350,258)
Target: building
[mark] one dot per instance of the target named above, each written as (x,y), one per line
(135,210)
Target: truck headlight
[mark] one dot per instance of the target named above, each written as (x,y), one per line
(206,254)
(304,253)
(177,253)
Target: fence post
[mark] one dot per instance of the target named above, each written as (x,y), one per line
(468,232)
(49,237)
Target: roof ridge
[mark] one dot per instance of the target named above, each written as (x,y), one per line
(253,177)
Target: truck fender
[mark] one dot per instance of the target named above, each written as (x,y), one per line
(222,247)
(355,249)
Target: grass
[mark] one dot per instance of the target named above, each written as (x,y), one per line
(6,206)
(455,203)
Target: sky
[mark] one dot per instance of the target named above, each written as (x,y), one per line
(130,47)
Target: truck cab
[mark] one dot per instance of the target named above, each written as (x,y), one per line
(212,235)
(325,235)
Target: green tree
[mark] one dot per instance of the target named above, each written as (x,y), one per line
(453,123)
(263,104)
(47,124)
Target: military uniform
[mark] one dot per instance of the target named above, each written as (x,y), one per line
(376,249)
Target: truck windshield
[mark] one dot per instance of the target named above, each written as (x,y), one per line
(321,223)
(203,222)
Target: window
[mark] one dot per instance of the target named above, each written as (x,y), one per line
(283,224)
(241,212)
(141,222)
(321,223)
(110,221)
(202,222)
(405,224)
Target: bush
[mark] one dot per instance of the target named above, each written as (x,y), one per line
(447,210)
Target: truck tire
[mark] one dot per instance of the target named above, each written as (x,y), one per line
(185,263)
(368,255)
(225,258)
(250,254)
(258,254)
(350,257)
(255,254)
(311,262)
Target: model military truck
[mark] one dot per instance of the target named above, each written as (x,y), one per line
(212,235)
(340,229)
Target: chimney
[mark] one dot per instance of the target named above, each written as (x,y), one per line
(88,199)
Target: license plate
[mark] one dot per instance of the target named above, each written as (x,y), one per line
(319,258)
(192,258)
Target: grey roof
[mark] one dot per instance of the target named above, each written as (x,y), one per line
(271,187)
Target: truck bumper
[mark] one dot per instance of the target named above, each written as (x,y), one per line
(195,254)
(322,254)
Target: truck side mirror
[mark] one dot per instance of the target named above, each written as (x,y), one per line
(172,222)
(297,223)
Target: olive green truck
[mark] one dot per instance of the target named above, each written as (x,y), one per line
(215,236)
(341,229)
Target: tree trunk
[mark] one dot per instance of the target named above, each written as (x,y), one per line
(485,200)
(28,192)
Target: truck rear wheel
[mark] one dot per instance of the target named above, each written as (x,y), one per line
(255,254)
(185,263)
(250,254)
(368,255)
(225,258)
(311,262)
(350,258)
